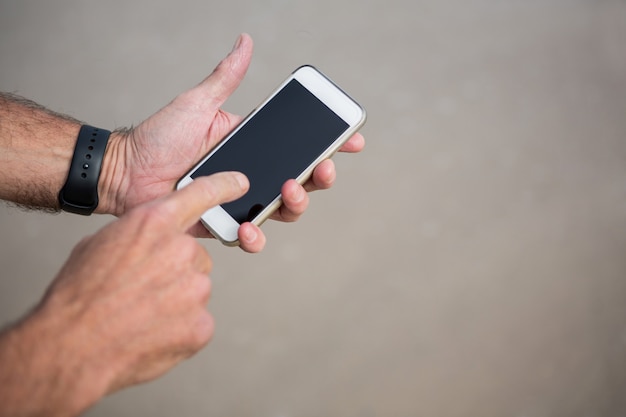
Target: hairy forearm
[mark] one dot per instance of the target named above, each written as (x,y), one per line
(36,147)
(39,376)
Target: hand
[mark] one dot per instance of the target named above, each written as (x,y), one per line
(146,162)
(129,304)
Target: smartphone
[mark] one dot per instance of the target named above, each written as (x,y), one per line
(304,121)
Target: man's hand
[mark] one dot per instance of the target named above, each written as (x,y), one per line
(129,304)
(145,162)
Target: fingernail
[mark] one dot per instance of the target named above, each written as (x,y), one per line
(237,43)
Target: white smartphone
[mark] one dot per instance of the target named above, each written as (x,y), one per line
(304,121)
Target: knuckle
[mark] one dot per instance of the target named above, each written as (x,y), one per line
(202,331)
(195,329)
(194,253)
(203,289)
(187,246)
(83,244)
(197,290)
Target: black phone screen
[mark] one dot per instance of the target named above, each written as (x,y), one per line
(276,144)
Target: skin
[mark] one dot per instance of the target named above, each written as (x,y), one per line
(113,321)
(140,176)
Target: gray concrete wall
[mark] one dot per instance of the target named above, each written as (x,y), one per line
(470,262)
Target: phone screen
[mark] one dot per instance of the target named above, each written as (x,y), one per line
(276,144)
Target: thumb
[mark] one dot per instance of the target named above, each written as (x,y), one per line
(229,73)
(185,206)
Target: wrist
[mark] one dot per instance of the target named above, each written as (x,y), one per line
(43,372)
(112,182)
(79,194)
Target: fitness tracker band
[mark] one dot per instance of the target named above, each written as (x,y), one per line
(80,193)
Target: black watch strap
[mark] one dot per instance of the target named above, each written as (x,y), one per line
(80,193)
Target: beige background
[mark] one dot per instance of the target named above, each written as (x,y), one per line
(470,262)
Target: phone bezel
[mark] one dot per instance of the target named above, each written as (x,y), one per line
(217,220)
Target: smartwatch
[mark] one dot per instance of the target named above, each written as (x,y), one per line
(79,195)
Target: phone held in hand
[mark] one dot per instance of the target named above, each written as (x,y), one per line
(303,122)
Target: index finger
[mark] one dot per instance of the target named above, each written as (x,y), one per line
(188,204)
